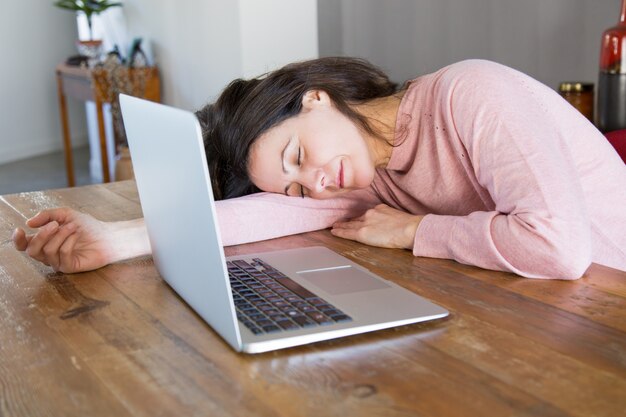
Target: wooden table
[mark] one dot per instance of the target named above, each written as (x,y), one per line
(119,342)
(77,82)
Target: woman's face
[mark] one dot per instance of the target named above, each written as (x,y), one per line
(319,153)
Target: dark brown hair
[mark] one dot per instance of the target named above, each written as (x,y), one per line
(248,108)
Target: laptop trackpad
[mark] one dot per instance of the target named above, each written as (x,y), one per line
(342,280)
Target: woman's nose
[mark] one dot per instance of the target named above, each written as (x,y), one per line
(314,181)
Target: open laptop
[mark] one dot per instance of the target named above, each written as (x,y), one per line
(258,302)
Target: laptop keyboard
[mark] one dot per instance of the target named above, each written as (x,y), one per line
(268,301)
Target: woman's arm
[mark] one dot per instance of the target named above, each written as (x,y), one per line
(266,215)
(70,241)
(516,133)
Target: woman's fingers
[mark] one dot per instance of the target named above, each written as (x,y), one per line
(381,226)
(46,216)
(54,227)
(345,233)
(348,229)
(39,240)
(20,240)
(51,249)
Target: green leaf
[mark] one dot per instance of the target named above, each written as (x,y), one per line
(89,7)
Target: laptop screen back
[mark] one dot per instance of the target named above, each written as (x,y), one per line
(177,202)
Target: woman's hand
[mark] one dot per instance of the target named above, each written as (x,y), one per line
(70,241)
(381,226)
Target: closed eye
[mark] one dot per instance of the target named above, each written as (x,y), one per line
(300,164)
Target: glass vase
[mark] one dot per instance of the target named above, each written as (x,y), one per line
(612,78)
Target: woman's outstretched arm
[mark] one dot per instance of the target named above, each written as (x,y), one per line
(522,140)
(70,241)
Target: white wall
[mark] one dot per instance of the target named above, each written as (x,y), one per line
(34,37)
(552,40)
(193,42)
(202,45)
(275,33)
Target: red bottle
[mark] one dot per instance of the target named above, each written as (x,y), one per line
(612,80)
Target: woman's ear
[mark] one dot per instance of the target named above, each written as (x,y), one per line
(314,99)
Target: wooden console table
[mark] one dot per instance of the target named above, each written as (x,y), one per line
(77,82)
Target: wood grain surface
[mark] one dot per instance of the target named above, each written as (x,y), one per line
(119,342)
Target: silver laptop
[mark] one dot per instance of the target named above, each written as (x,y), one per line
(258,302)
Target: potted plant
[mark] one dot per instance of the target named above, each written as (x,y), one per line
(89,8)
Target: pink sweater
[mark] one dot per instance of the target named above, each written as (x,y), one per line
(509,177)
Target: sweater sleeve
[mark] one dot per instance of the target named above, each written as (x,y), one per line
(267,215)
(515,131)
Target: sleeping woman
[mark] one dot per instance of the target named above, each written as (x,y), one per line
(476,162)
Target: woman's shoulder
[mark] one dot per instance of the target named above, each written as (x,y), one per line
(470,76)
(477,71)
(479,65)
(480,82)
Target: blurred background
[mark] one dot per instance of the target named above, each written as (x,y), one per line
(201,45)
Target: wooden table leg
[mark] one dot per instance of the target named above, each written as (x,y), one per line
(67,142)
(106,177)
